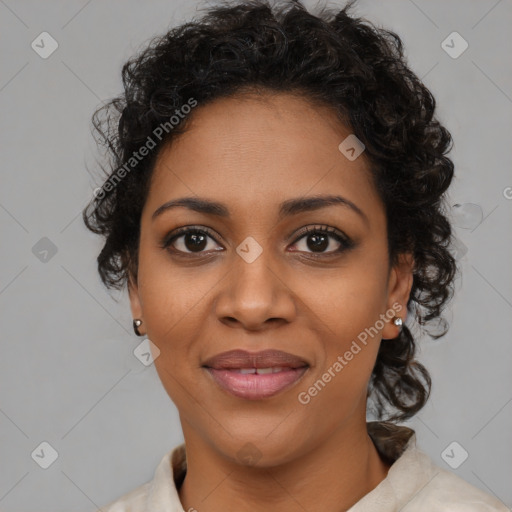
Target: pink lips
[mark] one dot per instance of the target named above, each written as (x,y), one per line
(257,375)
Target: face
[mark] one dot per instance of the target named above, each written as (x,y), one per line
(263,273)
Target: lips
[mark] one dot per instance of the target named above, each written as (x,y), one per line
(240,359)
(258,375)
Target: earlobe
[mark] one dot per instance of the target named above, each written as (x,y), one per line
(135,303)
(399,290)
(137,322)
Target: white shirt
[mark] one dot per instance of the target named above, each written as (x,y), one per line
(413,483)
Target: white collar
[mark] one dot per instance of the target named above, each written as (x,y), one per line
(413,483)
(397,443)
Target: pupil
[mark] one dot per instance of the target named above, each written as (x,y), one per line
(319,242)
(198,241)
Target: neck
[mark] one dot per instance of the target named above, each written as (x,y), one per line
(332,476)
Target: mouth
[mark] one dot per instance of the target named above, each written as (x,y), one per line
(256,383)
(255,376)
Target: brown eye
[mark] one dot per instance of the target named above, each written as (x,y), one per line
(319,239)
(189,241)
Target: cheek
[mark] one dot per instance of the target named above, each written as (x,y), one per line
(348,299)
(348,309)
(176,301)
(339,382)
(172,296)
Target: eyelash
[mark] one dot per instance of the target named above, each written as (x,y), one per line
(345,242)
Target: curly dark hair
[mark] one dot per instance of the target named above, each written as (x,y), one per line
(331,58)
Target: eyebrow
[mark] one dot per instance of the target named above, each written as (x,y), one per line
(287,208)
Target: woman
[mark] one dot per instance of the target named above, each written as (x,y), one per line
(274,206)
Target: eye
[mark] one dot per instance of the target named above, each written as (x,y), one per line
(189,240)
(320,238)
(194,240)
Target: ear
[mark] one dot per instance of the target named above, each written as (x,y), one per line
(399,290)
(135,302)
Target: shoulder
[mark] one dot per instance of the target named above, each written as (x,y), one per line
(160,493)
(446,492)
(415,483)
(133,501)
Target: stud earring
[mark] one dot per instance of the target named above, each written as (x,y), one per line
(398,321)
(137,322)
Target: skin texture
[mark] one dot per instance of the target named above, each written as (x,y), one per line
(251,153)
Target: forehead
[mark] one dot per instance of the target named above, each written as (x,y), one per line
(256,151)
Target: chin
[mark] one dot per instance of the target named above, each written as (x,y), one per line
(260,446)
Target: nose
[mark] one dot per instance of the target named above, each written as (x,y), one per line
(255,295)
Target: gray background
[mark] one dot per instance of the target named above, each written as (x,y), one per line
(68,374)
